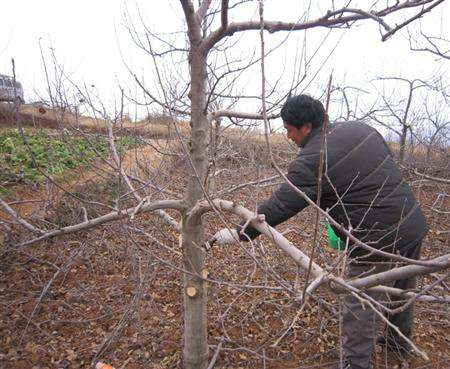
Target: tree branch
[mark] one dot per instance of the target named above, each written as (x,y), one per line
(320,275)
(203,9)
(324,21)
(224,14)
(408,271)
(242,115)
(112,216)
(18,218)
(405,23)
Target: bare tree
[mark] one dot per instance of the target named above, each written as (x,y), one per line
(435,128)
(402,113)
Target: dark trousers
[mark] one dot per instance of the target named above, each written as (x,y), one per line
(404,319)
(361,324)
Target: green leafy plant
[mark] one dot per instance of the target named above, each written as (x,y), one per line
(26,156)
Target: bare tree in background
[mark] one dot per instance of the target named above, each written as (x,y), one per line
(397,112)
(411,108)
(435,129)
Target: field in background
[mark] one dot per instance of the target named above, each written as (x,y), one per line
(40,116)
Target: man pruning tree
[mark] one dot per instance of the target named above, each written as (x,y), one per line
(363,190)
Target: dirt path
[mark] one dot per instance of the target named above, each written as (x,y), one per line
(30,200)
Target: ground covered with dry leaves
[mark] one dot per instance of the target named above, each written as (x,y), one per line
(114,293)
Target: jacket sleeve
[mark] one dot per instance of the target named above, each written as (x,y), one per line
(285,202)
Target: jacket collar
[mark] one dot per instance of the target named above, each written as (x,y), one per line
(314,132)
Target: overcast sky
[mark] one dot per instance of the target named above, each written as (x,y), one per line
(91,43)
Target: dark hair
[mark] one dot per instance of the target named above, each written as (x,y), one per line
(302,109)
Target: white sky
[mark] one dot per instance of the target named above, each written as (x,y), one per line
(89,40)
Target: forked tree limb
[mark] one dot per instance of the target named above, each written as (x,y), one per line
(337,18)
(320,275)
(409,20)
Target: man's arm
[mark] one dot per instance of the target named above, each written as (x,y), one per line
(285,202)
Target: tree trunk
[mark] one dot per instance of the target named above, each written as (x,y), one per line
(430,148)
(403,143)
(195,293)
(195,298)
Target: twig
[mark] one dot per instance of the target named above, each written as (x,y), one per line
(319,186)
(216,355)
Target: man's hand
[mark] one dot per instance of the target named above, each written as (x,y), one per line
(223,237)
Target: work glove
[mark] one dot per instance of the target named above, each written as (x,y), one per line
(223,237)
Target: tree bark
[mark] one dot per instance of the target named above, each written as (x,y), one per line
(195,297)
(195,293)
(403,143)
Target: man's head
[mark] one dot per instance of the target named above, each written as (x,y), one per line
(300,115)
